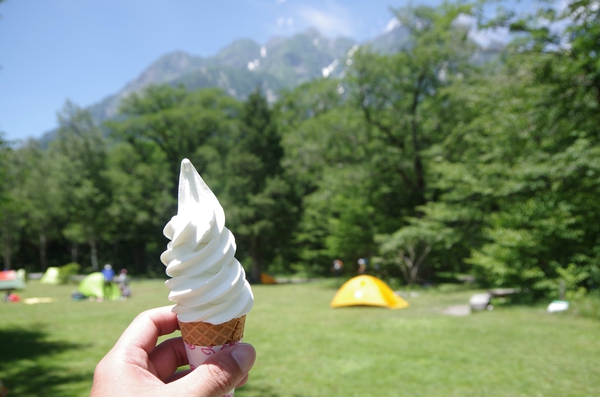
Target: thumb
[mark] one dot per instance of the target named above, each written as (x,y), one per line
(219,374)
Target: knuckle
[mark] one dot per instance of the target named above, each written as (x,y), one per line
(221,377)
(101,368)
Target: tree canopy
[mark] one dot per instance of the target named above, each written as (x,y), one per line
(426,161)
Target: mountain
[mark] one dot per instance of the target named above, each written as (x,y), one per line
(239,68)
(283,62)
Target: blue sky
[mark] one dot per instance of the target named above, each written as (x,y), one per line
(85,50)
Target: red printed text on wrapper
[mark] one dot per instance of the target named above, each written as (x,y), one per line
(199,354)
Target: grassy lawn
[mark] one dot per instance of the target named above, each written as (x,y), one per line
(307,349)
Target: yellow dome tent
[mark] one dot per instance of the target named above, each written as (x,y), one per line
(367,290)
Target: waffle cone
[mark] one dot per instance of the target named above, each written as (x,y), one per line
(206,334)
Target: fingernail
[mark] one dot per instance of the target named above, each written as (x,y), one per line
(244,355)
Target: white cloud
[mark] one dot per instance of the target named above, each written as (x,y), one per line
(331,19)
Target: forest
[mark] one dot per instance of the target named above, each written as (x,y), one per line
(426,162)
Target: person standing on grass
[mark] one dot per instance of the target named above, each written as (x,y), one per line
(122,281)
(362,266)
(109,275)
(338,265)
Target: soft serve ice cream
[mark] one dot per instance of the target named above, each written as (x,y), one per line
(208,284)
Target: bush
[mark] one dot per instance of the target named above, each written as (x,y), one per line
(588,306)
(68,270)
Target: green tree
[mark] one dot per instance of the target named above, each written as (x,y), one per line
(409,247)
(81,155)
(402,99)
(258,196)
(140,207)
(525,175)
(327,155)
(399,94)
(10,208)
(181,124)
(341,210)
(40,195)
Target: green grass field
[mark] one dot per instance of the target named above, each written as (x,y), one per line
(305,348)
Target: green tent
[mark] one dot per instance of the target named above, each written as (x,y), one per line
(51,276)
(93,286)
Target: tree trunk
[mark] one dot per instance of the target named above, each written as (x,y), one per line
(412,263)
(138,257)
(94,255)
(257,259)
(43,245)
(74,252)
(7,252)
(417,164)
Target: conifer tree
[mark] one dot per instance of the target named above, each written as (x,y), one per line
(81,154)
(257,194)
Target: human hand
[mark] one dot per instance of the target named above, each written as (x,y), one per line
(135,366)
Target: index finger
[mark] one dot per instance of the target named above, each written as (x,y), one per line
(144,330)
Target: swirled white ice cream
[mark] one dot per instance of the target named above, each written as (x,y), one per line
(208,283)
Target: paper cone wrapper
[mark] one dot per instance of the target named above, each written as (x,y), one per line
(202,340)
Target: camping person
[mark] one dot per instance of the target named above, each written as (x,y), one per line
(338,265)
(122,281)
(362,266)
(109,275)
(3,390)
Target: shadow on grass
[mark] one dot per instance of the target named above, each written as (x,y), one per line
(27,365)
